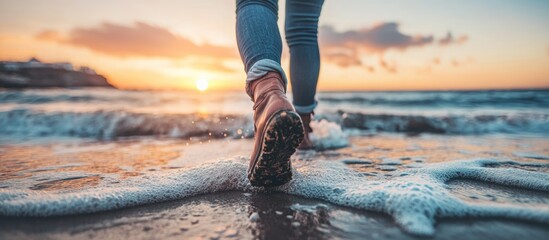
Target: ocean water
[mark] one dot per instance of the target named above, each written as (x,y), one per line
(109,114)
(415,156)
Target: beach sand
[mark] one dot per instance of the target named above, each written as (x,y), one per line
(78,166)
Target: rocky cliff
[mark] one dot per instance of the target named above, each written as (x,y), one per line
(44,77)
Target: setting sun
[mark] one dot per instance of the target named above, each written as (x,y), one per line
(202,84)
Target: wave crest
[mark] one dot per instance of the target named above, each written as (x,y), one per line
(107,125)
(113,124)
(451,124)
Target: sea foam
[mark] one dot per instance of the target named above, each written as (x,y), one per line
(327,135)
(415,200)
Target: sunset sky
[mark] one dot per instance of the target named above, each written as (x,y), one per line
(365,44)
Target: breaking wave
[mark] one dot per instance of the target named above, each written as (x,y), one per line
(106,125)
(444,99)
(449,124)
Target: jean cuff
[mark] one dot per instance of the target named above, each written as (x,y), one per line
(306,109)
(264,66)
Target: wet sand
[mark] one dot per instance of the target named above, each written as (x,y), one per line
(227,215)
(74,166)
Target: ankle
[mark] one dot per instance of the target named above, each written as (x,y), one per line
(272,81)
(306,118)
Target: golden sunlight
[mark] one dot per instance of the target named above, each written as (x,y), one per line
(202,84)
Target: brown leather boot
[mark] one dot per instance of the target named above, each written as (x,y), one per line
(306,144)
(278,131)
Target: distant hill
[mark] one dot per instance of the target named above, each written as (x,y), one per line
(35,74)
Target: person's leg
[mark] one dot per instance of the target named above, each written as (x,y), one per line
(301,28)
(301,35)
(278,128)
(258,37)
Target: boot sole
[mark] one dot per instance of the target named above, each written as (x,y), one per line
(283,133)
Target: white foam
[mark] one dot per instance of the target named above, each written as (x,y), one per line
(327,135)
(414,200)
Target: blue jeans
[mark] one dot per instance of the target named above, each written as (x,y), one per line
(260,44)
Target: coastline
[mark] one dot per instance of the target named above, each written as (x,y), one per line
(229,214)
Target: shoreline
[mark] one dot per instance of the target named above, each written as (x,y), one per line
(79,167)
(227,215)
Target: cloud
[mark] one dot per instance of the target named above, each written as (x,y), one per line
(343,59)
(378,39)
(390,67)
(137,40)
(344,48)
(49,35)
(449,40)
